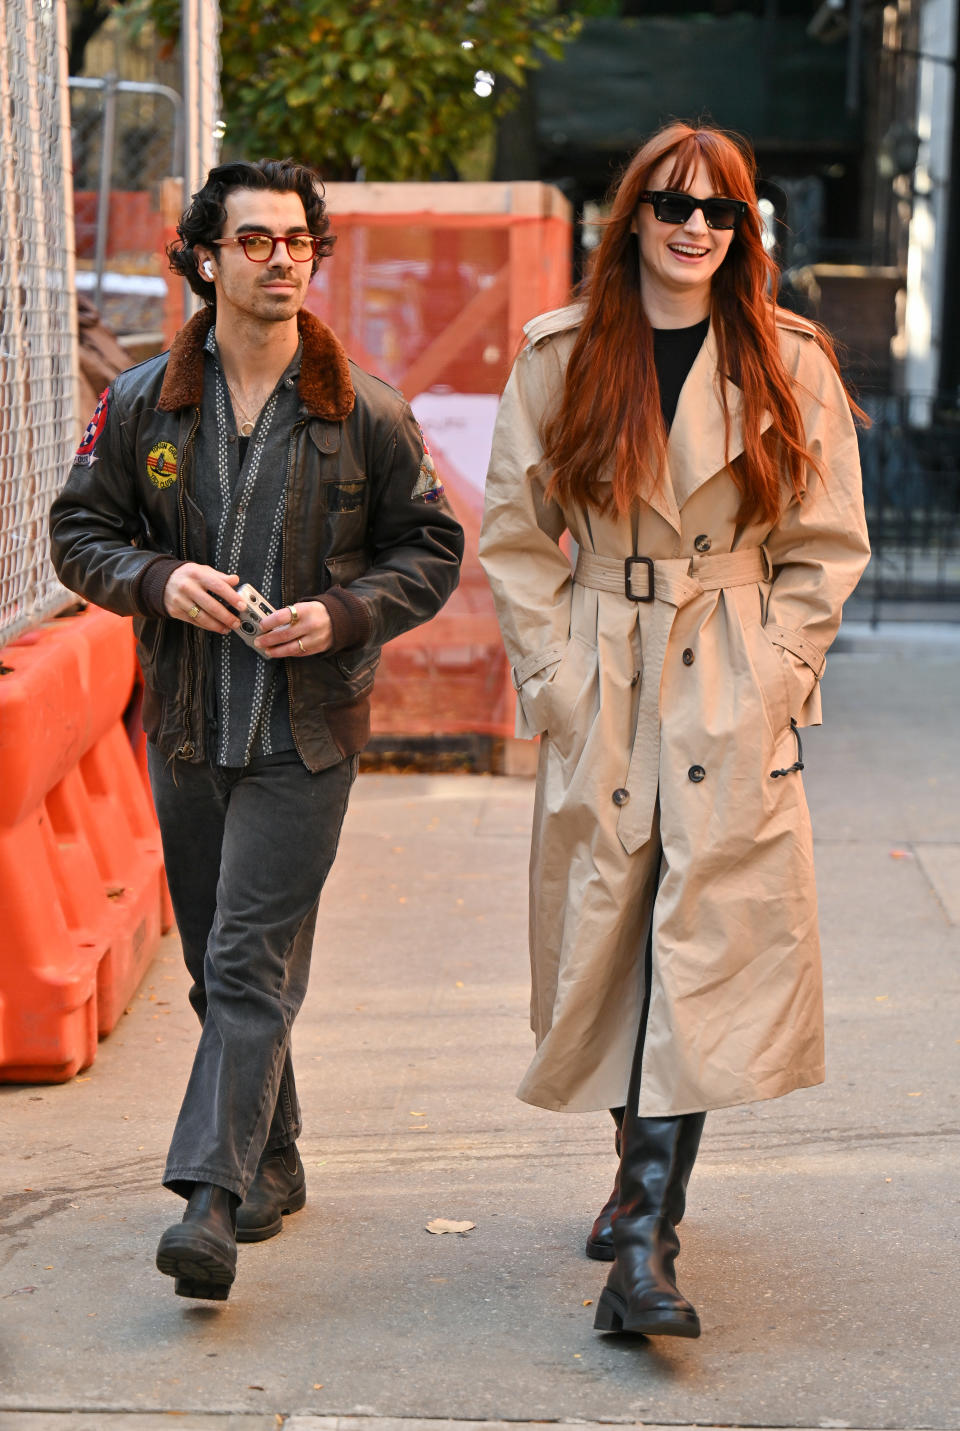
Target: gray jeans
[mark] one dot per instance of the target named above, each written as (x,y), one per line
(247,851)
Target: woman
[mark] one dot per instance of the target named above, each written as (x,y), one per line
(697,443)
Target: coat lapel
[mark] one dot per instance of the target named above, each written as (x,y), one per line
(697,448)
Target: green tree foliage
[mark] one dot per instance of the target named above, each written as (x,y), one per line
(378,88)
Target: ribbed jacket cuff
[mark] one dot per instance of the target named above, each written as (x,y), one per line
(151,584)
(348,616)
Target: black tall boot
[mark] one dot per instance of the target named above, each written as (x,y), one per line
(201,1251)
(600,1241)
(656,1159)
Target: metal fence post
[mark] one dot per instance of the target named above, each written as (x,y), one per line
(106,179)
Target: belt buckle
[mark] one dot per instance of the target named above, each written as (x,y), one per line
(628,564)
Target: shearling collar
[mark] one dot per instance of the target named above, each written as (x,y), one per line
(325,386)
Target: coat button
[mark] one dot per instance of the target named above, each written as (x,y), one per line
(697,773)
(702,543)
(621,796)
(688,657)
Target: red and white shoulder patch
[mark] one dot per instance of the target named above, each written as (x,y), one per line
(428,484)
(85,452)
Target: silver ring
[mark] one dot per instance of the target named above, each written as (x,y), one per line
(294,616)
(301,645)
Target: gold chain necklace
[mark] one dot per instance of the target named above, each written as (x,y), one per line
(246,427)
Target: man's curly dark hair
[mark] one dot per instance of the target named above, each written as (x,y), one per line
(203,220)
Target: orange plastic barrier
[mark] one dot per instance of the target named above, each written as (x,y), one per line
(429,287)
(81,873)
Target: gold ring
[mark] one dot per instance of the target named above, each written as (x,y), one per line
(194,612)
(294,616)
(300,644)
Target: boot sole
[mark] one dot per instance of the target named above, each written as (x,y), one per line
(599,1251)
(262,1231)
(201,1268)
(613,1316)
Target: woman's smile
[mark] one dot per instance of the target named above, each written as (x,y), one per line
(678,261)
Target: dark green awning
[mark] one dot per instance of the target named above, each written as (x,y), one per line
(621,79)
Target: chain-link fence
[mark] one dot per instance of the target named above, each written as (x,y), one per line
(38,425)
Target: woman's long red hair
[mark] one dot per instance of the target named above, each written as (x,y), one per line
(609,421)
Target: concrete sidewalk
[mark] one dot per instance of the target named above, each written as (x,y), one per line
(821,1239)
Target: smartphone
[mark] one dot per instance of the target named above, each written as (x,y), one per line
(256,607)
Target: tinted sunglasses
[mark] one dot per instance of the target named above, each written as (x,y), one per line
(671,208)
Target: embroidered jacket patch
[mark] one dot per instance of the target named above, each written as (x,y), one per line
(84,456)
(162,464)
(428,484)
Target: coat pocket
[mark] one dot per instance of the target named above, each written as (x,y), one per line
(558,698)
(346,567)
(771,677)
(149,633)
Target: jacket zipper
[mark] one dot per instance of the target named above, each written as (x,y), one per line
(196,742)
(295,431)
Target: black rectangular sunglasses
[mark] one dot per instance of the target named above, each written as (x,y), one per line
(673,208)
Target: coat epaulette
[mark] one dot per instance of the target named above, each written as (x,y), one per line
(794,323)
(558,320)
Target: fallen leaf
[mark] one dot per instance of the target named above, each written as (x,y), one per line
(440,1225)
(880,997)
(318,1386)
(254,1387)
(915,1095)
(588,1301)
(17,1291)
(577,1356)
(459,983)
(901,855)
(415,1114)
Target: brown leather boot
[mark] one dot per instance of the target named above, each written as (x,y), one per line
(201,1251)
(280,1187)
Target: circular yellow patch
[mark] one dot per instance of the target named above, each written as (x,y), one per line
(162,464)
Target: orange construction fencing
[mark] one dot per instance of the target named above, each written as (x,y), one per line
(429,287)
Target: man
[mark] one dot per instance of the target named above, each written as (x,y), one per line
(255,452)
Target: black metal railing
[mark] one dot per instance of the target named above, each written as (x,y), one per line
(911,485)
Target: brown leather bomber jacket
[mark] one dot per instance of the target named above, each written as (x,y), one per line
(357,535)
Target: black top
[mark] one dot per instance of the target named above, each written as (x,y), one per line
(674,351)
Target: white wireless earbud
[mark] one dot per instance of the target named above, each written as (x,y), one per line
(207,269)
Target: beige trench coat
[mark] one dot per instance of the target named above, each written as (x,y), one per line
(660,725)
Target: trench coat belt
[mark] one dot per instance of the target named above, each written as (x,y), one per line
(675,582)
